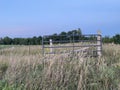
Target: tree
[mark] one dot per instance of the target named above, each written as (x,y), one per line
(63,36)
(107,39)
(1,41)
(79,32)
(7,40)
(39,40)
(116,39)
(63,33)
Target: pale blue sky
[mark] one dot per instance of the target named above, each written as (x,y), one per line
(27,18)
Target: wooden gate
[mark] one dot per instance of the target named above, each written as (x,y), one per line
(57,44)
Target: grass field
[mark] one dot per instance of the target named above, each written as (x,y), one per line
(24,68)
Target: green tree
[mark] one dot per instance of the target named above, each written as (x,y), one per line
(116,39)
(79,32)
(7,40)
(39,40)
(63,36)
(107,39)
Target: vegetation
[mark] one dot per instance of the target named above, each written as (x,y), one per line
(35,40)
(64,36)
(24,68)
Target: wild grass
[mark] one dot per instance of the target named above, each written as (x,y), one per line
(24,68)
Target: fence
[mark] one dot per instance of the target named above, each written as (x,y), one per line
(57,44)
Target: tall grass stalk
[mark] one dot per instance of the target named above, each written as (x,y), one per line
(24,68)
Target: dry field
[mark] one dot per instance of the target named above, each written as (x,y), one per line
(24,68)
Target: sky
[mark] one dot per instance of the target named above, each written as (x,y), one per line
(28,18)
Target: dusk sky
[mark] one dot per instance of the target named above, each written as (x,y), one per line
(28,18)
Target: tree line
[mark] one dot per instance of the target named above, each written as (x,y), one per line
(63,35)
(114,39)
(21,41)
(35,40)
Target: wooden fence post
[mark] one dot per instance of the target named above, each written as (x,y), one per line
(51,44)
(99,43)
(43,45)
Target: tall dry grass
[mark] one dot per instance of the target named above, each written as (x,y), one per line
(24,68)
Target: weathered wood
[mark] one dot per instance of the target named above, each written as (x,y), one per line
(70,46)
(51,45)
(99,43)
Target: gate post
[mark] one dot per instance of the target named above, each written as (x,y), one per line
(43,45)
(51,44)
(99,44)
